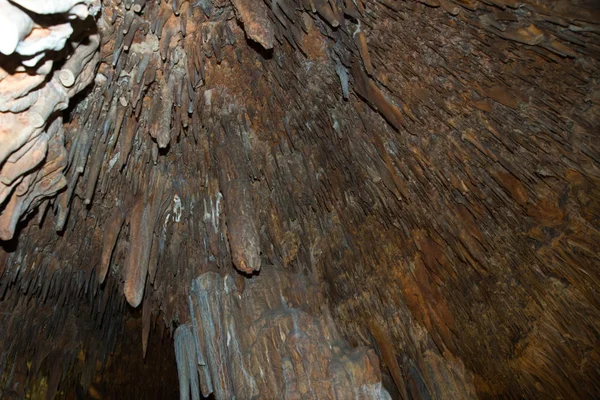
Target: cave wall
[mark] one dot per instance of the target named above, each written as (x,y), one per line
(431,167)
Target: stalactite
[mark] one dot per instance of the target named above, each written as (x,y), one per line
(426,171)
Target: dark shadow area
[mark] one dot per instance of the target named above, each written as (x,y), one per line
(128,375)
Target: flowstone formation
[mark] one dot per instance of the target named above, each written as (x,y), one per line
(36,37)
(300,199)
(268,339)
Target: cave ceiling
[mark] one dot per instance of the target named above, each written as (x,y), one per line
(300,199)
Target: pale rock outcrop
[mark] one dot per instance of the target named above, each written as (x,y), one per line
(32,94)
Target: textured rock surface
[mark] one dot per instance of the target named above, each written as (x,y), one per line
(431,166)
(269,340)
(33,92)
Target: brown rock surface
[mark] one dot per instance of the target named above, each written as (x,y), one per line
(427,171)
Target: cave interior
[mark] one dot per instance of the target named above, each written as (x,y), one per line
(299,199)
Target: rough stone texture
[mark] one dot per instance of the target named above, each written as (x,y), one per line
(270,339)
(431,166)
(257,25)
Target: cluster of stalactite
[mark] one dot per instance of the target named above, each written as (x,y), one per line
(55,330)
(431,165)
(79,341)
